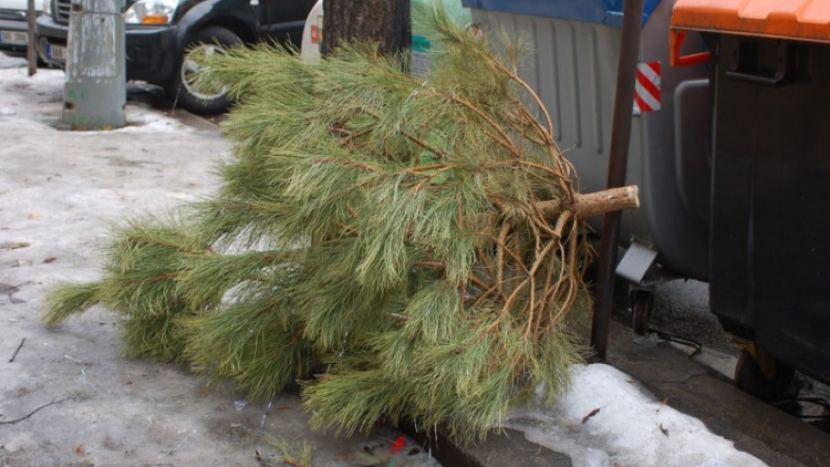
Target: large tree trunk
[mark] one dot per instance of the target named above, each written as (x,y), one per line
(385,22)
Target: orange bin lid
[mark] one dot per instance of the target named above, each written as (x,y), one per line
(807,20)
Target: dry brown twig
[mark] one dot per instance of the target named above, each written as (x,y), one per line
(16,420)
(14,355)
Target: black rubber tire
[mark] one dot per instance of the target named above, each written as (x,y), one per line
(177,88)
(642,304)
(750,378)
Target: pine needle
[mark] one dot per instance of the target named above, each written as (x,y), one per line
(70,299)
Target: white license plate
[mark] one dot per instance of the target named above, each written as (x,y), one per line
(14,37)
(56,52)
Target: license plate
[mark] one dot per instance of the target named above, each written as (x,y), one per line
(14,37)
(56,52)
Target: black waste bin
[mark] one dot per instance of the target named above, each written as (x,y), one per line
(770,212)
(770,265)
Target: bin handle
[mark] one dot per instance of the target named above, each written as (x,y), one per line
(773,80)
(765,80)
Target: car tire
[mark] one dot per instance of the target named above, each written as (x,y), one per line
(210,39)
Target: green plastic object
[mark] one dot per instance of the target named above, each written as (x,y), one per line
(421,44)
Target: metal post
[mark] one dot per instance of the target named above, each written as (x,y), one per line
(95,92)
(620,139)
(31,46)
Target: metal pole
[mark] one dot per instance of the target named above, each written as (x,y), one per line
(31,47)
(95,92)
(620,139)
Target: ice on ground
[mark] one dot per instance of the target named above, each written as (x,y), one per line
(608,420)
(58,192)
(49,84)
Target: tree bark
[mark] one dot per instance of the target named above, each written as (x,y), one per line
(383,22)
(601,202)
(594,204)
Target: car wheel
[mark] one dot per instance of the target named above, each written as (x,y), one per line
(209,40)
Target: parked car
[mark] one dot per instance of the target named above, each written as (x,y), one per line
(14,26)
(162,35)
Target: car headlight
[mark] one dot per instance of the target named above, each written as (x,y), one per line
(151,12)
(47,7)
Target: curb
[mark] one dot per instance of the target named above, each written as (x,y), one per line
(771,435)
(508,448)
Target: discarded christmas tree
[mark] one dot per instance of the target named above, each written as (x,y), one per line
(408,249)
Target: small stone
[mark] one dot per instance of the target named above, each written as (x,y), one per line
(14,245)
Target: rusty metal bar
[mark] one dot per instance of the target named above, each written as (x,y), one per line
(620,139)
(31,46)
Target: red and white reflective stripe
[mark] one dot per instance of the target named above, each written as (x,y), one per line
(647,88)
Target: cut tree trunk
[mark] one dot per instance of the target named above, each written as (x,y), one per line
(595,204)
(602,202)
(384,22)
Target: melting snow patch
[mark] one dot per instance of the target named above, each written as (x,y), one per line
(630,429)
(16,88)
(142,120)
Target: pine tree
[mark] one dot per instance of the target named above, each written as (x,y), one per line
(408,249)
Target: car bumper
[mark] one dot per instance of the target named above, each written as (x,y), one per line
(151,50)
(13,26)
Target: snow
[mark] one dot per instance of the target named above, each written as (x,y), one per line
(147,121)
(82,180)
(51,83)
(58,186)
(630,429)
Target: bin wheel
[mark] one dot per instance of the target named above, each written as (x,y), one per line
(642,303)
(750,377)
